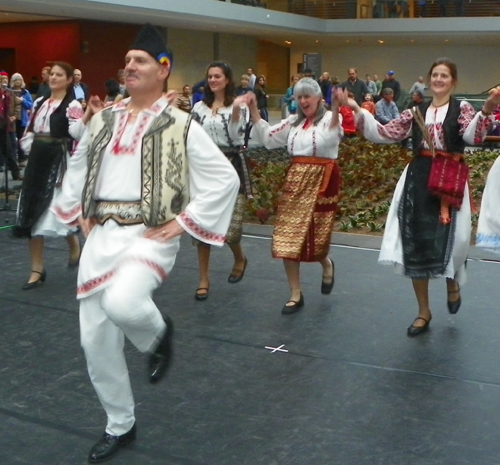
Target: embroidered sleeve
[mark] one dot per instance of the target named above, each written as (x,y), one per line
(213,187)
(473,126)
(74,112)
(272,137)
(394,131)
(237,129)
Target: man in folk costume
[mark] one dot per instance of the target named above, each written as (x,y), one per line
(148,173)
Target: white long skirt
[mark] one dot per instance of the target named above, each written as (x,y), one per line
(488,228)
(391,251)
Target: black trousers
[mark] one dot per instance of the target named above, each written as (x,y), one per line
(7,155)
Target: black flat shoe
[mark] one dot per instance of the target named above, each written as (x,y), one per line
(159,360)
(454,307)
(201,293)
(34,284)
(416,330)
(289,309)
(237,276)
(326,287)
(109,445)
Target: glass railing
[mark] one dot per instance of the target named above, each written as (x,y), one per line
(365,9)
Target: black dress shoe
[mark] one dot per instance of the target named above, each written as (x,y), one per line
(289,309)
(109,445)
(159,360)
(201,293)
(454,307)
(34,284)
(326,287)
(237,276)
(416,330)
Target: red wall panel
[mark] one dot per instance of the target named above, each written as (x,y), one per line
(38,43)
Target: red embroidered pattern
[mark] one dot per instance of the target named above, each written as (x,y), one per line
(95,283)
(65,216)
(74,112)
(140,129)
(278,129)
(398,128)
(208,235)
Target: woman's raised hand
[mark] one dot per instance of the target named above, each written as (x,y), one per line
(493,100)
(95,104)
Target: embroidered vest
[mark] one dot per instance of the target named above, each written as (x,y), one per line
(451,128)
(165,189)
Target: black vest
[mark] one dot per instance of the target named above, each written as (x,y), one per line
(59,123)
(451,128)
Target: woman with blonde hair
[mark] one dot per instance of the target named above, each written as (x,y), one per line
(23,103)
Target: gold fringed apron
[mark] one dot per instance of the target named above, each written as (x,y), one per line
(307,209)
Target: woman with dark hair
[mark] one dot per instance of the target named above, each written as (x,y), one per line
(57,121)
(224,118)
(306,211)
(425,236)
(261,96)
(113,92)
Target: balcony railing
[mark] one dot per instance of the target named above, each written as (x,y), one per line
(364,9)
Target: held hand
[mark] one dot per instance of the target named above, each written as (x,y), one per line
(493,100)
(242,100)
(94,104)
(339,96)
(171,97)
(165,232)
(87,224)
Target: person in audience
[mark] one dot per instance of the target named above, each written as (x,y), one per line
(262,96)
(22,106)
(184,99)
(44,88)
(113,94)
(385,109)
(244,86)
(356,86)
(289,99)
(368,104)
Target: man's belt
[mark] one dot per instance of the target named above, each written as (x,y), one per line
(122,212)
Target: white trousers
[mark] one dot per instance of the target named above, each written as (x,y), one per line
(123,308)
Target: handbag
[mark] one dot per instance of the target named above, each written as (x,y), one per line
(448,174)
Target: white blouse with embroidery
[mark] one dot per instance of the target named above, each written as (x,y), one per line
(220,126)
(320,140)
(41,124)
(473,126)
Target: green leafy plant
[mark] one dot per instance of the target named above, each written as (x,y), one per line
(369,174)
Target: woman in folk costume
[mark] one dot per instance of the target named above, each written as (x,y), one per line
(308,204)
(57,121)
(225,121)
(425,236)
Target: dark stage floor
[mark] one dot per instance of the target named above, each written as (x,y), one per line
(351,390)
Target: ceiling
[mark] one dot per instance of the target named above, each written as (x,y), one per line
(342,33)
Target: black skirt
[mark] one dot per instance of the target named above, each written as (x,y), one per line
(427,243)
(47,160)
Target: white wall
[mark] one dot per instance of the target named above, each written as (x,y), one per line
(477,67)
(193,51)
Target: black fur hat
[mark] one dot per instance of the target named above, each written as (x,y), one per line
(150,40)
